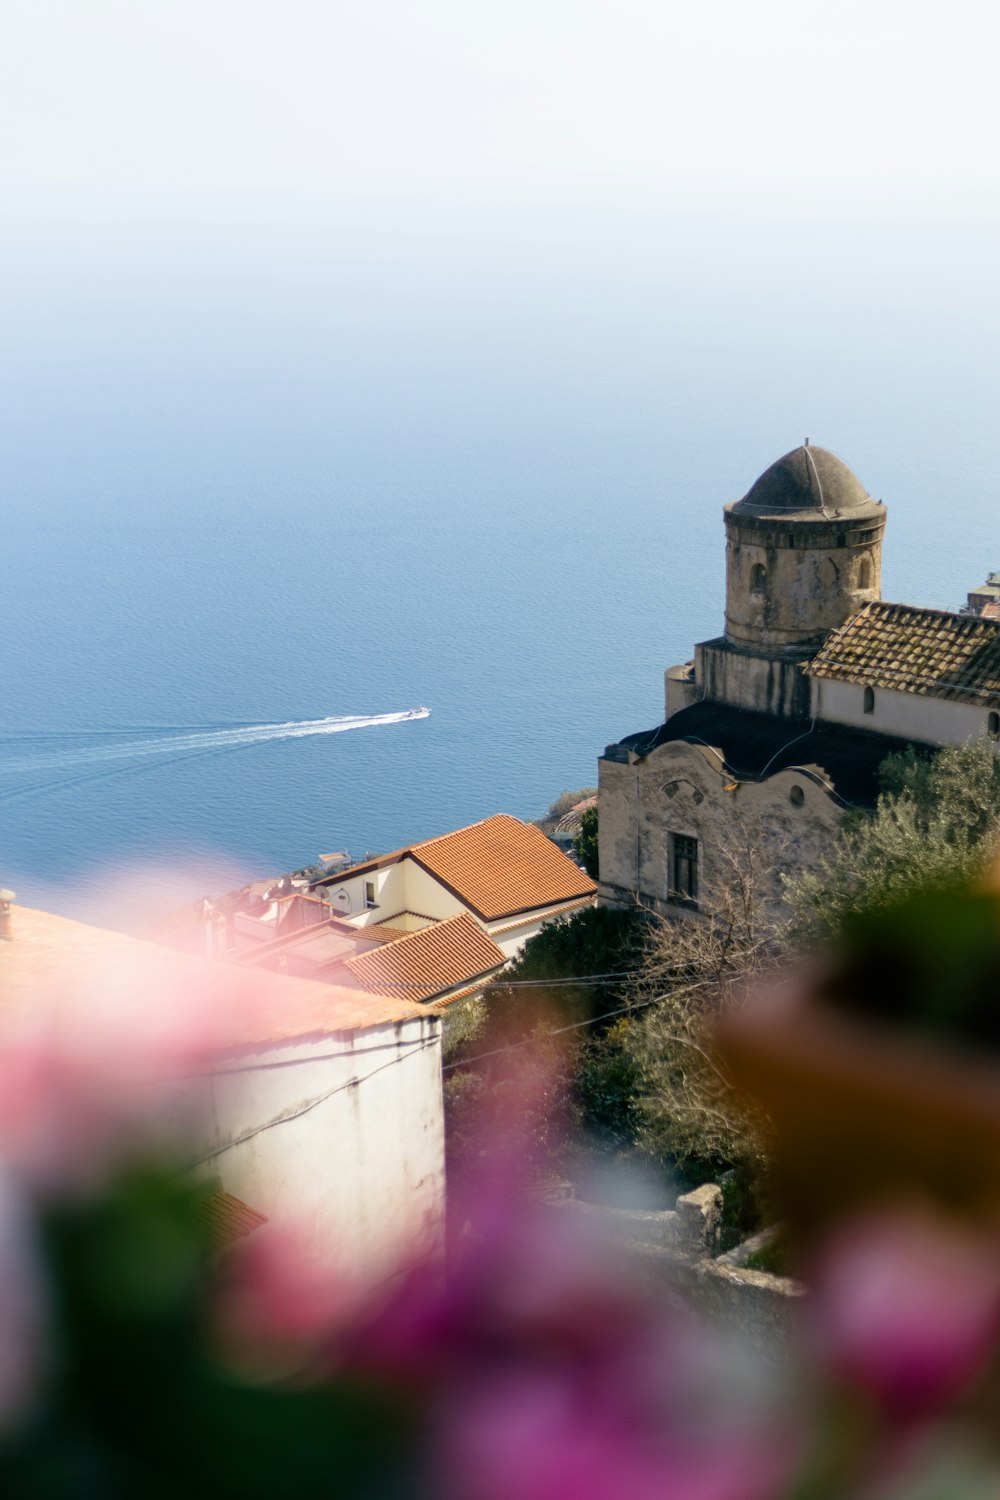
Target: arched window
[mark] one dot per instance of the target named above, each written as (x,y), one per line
(993,726)
(758,578)
(865,573)
(869,700)
(796,796)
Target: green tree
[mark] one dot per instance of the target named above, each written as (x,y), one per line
(696,966)
(936,823)
(585,842)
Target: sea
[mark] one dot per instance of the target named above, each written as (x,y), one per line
(269,483)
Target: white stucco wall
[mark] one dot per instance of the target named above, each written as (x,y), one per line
(362,1172)
(911,716)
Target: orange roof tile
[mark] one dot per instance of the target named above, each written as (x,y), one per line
(424,963)
(229,1219)
(524,919)
(501,867)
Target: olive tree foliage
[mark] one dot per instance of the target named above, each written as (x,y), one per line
(697,966)
(937,821)
(585,842)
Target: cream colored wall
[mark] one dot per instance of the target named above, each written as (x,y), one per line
(403,886)
(679,688)
(911,716)
(427,895)
(513,940)
(349,895)
(639,813)
(362,1173)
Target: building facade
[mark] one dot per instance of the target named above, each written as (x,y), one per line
(317,1106)
(778,726)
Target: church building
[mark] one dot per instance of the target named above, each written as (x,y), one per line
(778,726)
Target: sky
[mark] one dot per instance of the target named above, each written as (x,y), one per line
(879,111)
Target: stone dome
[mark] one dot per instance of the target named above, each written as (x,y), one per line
(807,479)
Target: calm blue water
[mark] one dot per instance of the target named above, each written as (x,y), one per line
(355,469)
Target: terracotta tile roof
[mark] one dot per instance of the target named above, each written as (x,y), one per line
(383,932)
(926,651)
(526,918)
(54,966)
(229,1219)
(424,963)
(570,821)
(456,995)
(499,867)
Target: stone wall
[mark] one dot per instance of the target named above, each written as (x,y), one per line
(681,1245)
(683,789)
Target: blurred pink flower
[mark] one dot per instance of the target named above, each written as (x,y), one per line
(278,1305)
(549,1367)
(113,1059)
(907,1306)
(532,1434)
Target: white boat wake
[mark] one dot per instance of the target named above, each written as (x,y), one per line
(124,753)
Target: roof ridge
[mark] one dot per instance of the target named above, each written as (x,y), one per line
(420,932)
(440,837)
(928,609)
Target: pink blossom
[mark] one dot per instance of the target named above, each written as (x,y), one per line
(548,1367)
(111,1060)
(530,1434)
(278,1304)
(907,1306)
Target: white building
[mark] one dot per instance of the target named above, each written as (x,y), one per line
(503,873)
(325,1105)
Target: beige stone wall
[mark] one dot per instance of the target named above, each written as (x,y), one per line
(683,789)
(789,581)
(745,679)
(911,716)
(680,689)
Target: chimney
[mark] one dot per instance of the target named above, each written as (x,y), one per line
(6,920)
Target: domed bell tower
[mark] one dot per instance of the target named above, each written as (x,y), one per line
(803,553)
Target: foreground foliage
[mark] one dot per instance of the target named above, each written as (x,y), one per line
(936,822)
(537,1365)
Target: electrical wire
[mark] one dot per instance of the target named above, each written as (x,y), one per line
(304,1109)
(296,1114)
(577,1025)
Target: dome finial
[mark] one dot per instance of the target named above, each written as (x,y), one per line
(806,443)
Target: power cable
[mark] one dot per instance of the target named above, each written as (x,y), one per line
(296,1114)
(577,1025)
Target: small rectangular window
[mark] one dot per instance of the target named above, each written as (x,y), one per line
(370,893)
(684,869)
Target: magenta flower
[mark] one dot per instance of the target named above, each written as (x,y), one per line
(907,1306)
(546,1367)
